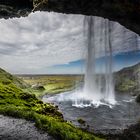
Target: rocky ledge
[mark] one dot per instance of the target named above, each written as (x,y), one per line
(126,12)
(15,8)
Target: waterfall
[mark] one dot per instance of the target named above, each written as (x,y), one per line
(102,40)
(91,89)
(109,84)
(98,87)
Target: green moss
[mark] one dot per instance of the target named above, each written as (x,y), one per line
(15,102)
(6,78)
(126,85)
(127,81)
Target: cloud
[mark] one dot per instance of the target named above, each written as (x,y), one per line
(40,40)
(31,44)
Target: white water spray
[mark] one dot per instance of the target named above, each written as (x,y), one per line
(103,39)
(98,88)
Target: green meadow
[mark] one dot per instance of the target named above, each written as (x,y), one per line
(52,84)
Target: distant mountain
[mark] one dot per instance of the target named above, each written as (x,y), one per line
(7,78)
(128,80)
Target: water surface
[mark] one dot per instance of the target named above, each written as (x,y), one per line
(104,117)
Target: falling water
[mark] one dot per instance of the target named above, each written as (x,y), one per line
(103,39)
(91,89)
(98,88)
(109,84)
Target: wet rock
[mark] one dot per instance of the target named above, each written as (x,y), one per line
(125,12)
(138,98)
(81,121)
(130,133)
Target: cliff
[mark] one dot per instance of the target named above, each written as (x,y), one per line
(126,12)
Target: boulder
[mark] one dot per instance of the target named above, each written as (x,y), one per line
(38,87)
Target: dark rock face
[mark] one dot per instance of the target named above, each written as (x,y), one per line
(17,3)
(132,133)
(15,8)
(138,98)
(126,12)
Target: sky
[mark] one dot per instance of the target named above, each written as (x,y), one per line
(52,43)
(120,61)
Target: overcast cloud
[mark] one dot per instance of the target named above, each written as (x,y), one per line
(41,40)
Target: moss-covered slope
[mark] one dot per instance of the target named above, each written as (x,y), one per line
(6,78)
(15,102)
(127,80)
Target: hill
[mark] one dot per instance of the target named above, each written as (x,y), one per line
(15,102)
(6,78)
(127,80)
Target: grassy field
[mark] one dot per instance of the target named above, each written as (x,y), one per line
(126,81)
(15,102)
(52,84)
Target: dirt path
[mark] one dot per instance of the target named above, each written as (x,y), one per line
(19,129)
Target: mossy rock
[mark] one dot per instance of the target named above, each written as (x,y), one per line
(38,87)
(27,96)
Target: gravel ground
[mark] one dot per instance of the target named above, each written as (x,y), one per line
(20,129)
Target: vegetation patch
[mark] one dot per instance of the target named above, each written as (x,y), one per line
(52,84)
(127,85)
(127,80)
(15,102)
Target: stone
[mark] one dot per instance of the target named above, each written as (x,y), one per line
(138,98)
(125,12)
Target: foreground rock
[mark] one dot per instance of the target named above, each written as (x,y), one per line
(138,98)
(19,129)
(132,133)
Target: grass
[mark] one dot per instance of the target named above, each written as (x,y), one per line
(15,102)
(127,85)
(53,84)
(127,80)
